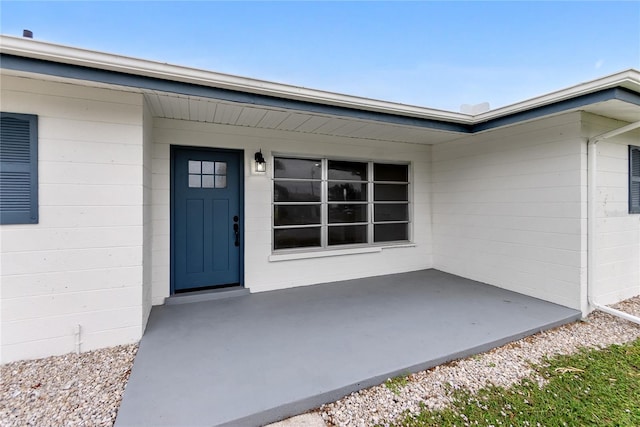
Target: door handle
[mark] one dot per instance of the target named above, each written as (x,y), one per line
(236,229)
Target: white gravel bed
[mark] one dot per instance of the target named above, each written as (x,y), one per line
(69,390)
(503,366)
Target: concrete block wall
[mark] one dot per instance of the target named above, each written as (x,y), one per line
(263,270)
(507,208)
(82,264)
(617,273)
(147,211)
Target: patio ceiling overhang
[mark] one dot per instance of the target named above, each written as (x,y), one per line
(189,94)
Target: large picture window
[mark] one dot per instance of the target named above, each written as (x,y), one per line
(323,203)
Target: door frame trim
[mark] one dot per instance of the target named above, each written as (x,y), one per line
(240,153)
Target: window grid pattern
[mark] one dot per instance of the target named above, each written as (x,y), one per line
(297,196)
(203,174)
(324,203)
(347,202)
(391,203)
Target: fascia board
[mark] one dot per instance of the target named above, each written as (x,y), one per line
(575,103)
(629,79)
(92,59)
(56,70)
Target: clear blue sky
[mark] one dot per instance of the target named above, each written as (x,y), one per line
(432,54)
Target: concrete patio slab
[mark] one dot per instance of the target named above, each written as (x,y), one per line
(259,358)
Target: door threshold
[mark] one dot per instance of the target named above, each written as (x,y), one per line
(207,295)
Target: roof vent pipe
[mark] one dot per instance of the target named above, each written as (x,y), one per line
(476,109)
(27,34)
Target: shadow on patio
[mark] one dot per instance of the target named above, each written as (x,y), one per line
(258,358)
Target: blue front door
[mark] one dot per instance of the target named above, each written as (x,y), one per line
(206,221)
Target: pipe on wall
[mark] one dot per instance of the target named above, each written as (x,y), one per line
(592,158)
(77,333)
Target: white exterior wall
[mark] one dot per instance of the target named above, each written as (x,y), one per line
(505,207)
(263,271)
(147,155)
(617,272)
(509,208)
(82,264)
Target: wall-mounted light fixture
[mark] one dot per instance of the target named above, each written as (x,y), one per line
(261,164)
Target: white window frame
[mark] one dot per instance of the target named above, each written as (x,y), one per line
(324,207)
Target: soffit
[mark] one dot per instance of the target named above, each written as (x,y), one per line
(173,106)
(616,109)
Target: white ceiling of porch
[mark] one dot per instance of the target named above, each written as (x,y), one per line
(182,107)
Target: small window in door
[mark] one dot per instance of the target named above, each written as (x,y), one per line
(203,174)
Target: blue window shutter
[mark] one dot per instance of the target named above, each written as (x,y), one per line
(634,179)
(18,168)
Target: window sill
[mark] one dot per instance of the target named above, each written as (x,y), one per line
(335,252)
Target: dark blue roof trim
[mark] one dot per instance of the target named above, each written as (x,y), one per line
(20,63)
(560,106)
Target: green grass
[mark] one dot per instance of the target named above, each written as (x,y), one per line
(396,383)
(590,388)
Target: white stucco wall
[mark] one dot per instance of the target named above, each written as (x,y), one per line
(262,271)
(617,273)
(507,209)
(82,263)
